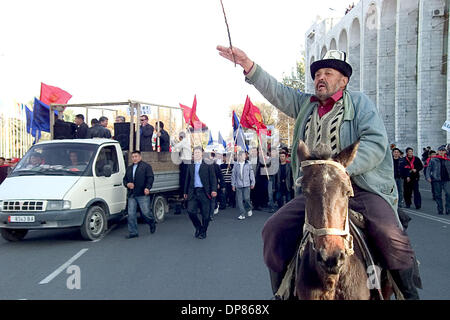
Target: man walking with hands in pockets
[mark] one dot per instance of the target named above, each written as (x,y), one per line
(139,180)
(242,180)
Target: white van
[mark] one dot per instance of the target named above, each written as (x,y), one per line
(64,183)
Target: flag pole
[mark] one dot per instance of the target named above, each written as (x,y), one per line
(22,134)
(158,147)
(234,147)
(263,156)
(235,139)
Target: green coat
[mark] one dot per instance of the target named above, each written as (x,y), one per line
(372,169)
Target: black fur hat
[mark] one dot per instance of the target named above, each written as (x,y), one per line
(334,59)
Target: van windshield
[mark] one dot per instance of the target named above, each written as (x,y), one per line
(66,159)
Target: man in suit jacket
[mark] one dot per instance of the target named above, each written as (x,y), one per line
(139,180)
(199,188)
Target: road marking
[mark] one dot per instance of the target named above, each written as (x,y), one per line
(428,216)
(55,273)
(425,190)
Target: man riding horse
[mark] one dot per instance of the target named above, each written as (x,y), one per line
(338,118)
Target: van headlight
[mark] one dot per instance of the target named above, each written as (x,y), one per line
(58,205)
(1,205)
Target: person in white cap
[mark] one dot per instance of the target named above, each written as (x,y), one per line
(338,118)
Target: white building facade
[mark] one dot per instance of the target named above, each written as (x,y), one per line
(398,51)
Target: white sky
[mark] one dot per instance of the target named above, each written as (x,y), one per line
(158,51)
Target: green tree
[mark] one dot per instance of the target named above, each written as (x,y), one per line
(285,124)
(296,79)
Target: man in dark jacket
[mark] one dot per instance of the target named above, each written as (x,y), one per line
(425,154)
(228,194)
(82,128)
(99,130)
(258,195)
(220,184)
(398,160)
(146,134)
(438,174)
(199,188)
(139,180)
(162,136)
(410,171)
(283,181)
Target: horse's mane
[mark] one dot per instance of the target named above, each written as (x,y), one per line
(321,152)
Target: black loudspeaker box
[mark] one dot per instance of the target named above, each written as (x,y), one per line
(122,134)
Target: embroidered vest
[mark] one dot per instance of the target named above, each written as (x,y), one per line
(326,129)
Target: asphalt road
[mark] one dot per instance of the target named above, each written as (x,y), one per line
(172,264)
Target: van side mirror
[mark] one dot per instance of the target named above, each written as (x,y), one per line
(107,171)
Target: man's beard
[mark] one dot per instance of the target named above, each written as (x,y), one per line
(325,95)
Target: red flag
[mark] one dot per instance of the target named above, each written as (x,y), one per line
(191,118)
(186,113)
(50,94)
(251,117)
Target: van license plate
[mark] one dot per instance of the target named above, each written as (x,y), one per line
(21,219)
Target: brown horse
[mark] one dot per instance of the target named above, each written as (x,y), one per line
(330,267)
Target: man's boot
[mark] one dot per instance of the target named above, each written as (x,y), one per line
(405,283)
(275,280)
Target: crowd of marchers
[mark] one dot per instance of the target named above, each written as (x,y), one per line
(253,180)
(436,170)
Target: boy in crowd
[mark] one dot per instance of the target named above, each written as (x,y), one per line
(242,180)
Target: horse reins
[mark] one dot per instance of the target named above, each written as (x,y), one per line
(311,230)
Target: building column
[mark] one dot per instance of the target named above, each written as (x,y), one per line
(405,74)
(369,57)
(431,78)
(386,66)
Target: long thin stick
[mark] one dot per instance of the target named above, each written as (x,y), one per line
(228,30)
(263,156)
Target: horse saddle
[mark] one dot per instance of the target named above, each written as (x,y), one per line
(357,226)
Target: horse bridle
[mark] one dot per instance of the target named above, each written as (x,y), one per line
(309,230)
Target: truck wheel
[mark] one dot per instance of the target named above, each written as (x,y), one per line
(95,223)
(159,208)
(13,235)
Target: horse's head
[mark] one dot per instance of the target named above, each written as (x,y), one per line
(327,187)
